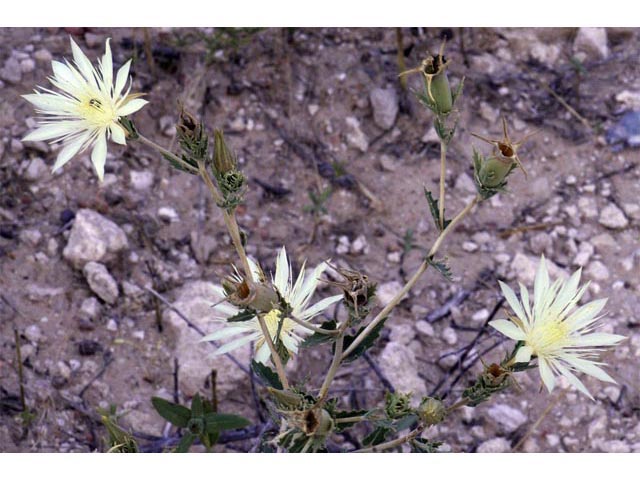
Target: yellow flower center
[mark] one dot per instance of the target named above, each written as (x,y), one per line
(97,112)
(548,337)
(272,320)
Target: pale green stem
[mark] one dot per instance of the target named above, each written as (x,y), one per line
(167,153)
(412,281)
(312,327)
(277,361)
(333,369)
(393,443)
(359,418)
(443,158)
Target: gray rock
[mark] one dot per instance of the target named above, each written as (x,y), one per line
(592,41)
(401,333)
(93,238)
(495,445)
(597,271)
(385,106)
(33,333)
(43,56)
(524,267)
(90,308)
(612,217)
(141,179)
(585,251)
(398,363)
(541,243)
(387,291)
(36,170)
(27,65)
(30,236)
(508,417)
(203,246)
(465,183)
(424,328)
(450,336)
(11,72)
(101,282)
(359,246)
(194,300)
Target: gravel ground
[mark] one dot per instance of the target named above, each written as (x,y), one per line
(307,110)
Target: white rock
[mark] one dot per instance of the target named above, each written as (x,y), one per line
(450,336)
(194,300)
(431,136)
(510,418)
(399,365)
(355,136)
(465,183)
(112,325)
(30,236)
(168,214)
(141,179)
(11,72)
(401,333)
(612,217)
(394,257)
(33,333)
(93,238)
(36,170)
(424,328)
(387,291)
(631,100)
(495,445)
(632,210)
(469,246)
(343,245)
(359,246)
(101,282)
(597,271)
(90,308)
(385,106)
(592,41)
(480,315)
(585,251)
(524,267)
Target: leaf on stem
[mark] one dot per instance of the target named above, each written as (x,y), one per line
(435,211)
(268,376)
(366,343)
(173,413)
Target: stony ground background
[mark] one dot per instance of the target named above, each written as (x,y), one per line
(309,109)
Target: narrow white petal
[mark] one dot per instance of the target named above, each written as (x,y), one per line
(226,310)
(263,354)
(590,368)
(106,68)
(68,151)
(281,281)
(540,286)
(83,63)
(523,355)
(546,374)
(319,307)
(226,332)
(524,295)
(256,271)
(99,154)
(131,106)
(309,286)
(51,104)
(290,343)
(508,329)
(585,315)
(240,342)
(117,134)
(121,79)
(512,300)
(573,380)
(568,291)
(53,131)
(596,340)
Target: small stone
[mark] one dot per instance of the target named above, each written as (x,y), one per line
(112,325)
(394,257)
(313,109)
(141,180)
(401,333)
(138,334)
(431,136)
(612,217)
(202,246)
(450,336)
(11,72)
(94,40)
(93,238)
(424,328)
(33,333)
(541,243)
(101,282)
(27,65)
(631,100)
(571,180)
(168,214)
(495,445)
(63,370)
(597,271)
(43,56)
(385,106)
(508,417)
(553,440)
(489,113)
(30,236)
(588,207)
(355,136)
(388,163)
(90,308)
(36,170)
(480,315)
(398,363)
(343,245)
(465,183)
(359,246)
(524,267)
(469,247)
(585,251)
(632,210)
(387,291)
(592,41)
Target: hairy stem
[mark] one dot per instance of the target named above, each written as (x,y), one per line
(333,369)
(277,361)
(393,443)
(412,281)
(312,327)
(443,160)
(166,153)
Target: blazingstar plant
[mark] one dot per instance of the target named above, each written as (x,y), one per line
(277,314)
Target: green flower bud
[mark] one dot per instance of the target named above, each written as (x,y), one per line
(397,405)
(224,160)
(494,171)
(191,134)
(432,411)
(232,182)
(437,83)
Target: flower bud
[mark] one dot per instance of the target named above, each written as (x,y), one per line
(192,136)
(286,398)
(223,160)
(437,83)
(494,171)
(397,405)
(432,411)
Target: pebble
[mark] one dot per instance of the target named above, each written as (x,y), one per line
(495,445)
(168,214)
(465,183)
(612,217)
(387,291)
(33,333)
(424,328)
(343,246)
(524,267)
(141,180)
(597,271)
(27,65)
(592,41)
(394,257)
(35,170)
(480,315)
(398,363)
(355,136)
(401,333)
(43,56)
(508,417)
(385,106)
(588,207)
(469,247)
(11,72)
(30,236)
(93,238)
(632,210)
(101,282)
(90,308)
(112,325)
(585,251)
(359,246)
(450,336)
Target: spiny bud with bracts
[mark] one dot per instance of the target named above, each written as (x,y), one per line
(397,405)
(286,399)
(495,375)
(490,174)
(191,134)
(250,293)
(224,160)
(432,411)
(318,423)
(359,292)
(232,182)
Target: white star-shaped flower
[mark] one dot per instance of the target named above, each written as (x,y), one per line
(559,335)
(297,296)
(86,110)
